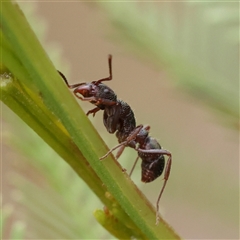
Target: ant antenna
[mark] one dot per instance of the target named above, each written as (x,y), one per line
(110,71)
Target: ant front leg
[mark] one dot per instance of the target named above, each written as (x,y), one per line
(93,111)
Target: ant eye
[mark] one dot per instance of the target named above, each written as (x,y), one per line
(106,90)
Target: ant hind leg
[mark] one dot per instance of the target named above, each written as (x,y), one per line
(166,176)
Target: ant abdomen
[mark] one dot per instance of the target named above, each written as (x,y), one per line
(152,170)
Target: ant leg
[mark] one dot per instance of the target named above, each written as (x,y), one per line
(119,145)
(166,174)
(133,167)
(120,151)
(135,163)
(110,71)
(131,137)
(93,111)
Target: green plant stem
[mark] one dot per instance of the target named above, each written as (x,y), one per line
(50,89)
(46,125)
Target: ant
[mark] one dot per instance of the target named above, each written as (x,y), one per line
(118,117)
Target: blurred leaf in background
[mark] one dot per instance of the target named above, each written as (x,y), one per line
(11,227)
(196,43)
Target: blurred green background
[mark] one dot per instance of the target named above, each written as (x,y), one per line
(177,65)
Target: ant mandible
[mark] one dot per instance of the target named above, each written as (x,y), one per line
(118,117)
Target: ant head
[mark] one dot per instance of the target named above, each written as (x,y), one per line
(105,92)
(98,91)
(86,89)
